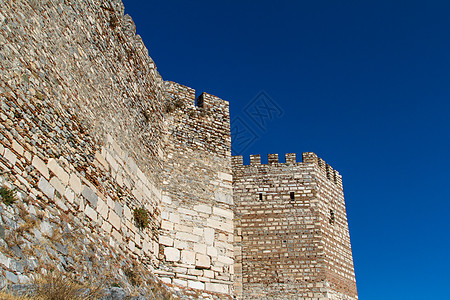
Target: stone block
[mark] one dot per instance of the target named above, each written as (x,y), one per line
(212,251)
(224,226)
(17,147)
(10,156)
(217,287)
(89,195)
(188,257)
(225,259)
(180,282)
(209,236)
(203,208)
(171,254)
(114,219)
(58,185)
(91,213)
(200,248)
(208,273)
(127,212)
(226,213)
(166,225)
(185,236)
(202,261)
(166,241)
(196,285)
(58,171)
(40,166)
(46,187)
(69,194)
(223,198)
(75,183)
(102,208)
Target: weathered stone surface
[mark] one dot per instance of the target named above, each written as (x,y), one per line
(46,187)
(172,254)
(89,195)
(202,261)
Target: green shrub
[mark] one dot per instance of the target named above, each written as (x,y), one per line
(8,195)
(141,217)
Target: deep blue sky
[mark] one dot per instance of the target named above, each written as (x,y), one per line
(364,84)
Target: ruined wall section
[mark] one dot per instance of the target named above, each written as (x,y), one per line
(196,242)
(282,221)
(81,115)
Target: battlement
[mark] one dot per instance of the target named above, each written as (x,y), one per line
(291,159)
(179,92)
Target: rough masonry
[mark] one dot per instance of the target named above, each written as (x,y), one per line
(89,132)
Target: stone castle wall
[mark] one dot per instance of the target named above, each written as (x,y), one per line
(197,208)
(89,127)
(81,115)
(291,232)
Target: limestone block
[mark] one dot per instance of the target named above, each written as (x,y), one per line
(185,236)
(69,194)
(223,198)
(225,226)
(208,273)
(89,195)
(200,248)
(40,166)
(92,214)
(101,160)
(195,272)
(196,285)
(127,212)
(226,260)
(58,171)
(166,280)
(114,219)
(175,218)
(17,147)
(203,208)
(171,254)
(58,185)
(209,236)
(223,212)
(118,208)
(188,257)
(217,287)
(46,188)
(225,176)
(180,244)
(75,183)
(106,226)
(212,251)
(198,231)
(166,241)
(180,282)
(166,225)
(202,261)
(102,208)
(10,156)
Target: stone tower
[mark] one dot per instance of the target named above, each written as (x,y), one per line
(291,231)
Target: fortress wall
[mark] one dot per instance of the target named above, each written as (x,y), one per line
(81,116)
(338,260)
(283,241)
(196,239)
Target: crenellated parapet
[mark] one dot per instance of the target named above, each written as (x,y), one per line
(291,159)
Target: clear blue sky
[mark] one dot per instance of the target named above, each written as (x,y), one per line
(364,84)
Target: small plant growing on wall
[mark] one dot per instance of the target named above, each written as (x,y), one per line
(8,195)
(141,217)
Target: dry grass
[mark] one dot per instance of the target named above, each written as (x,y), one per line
(56,286)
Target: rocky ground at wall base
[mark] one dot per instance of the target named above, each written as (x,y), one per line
(39,242)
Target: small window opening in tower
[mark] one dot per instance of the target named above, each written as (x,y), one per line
(332,218)
(260,197)
(292,196)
